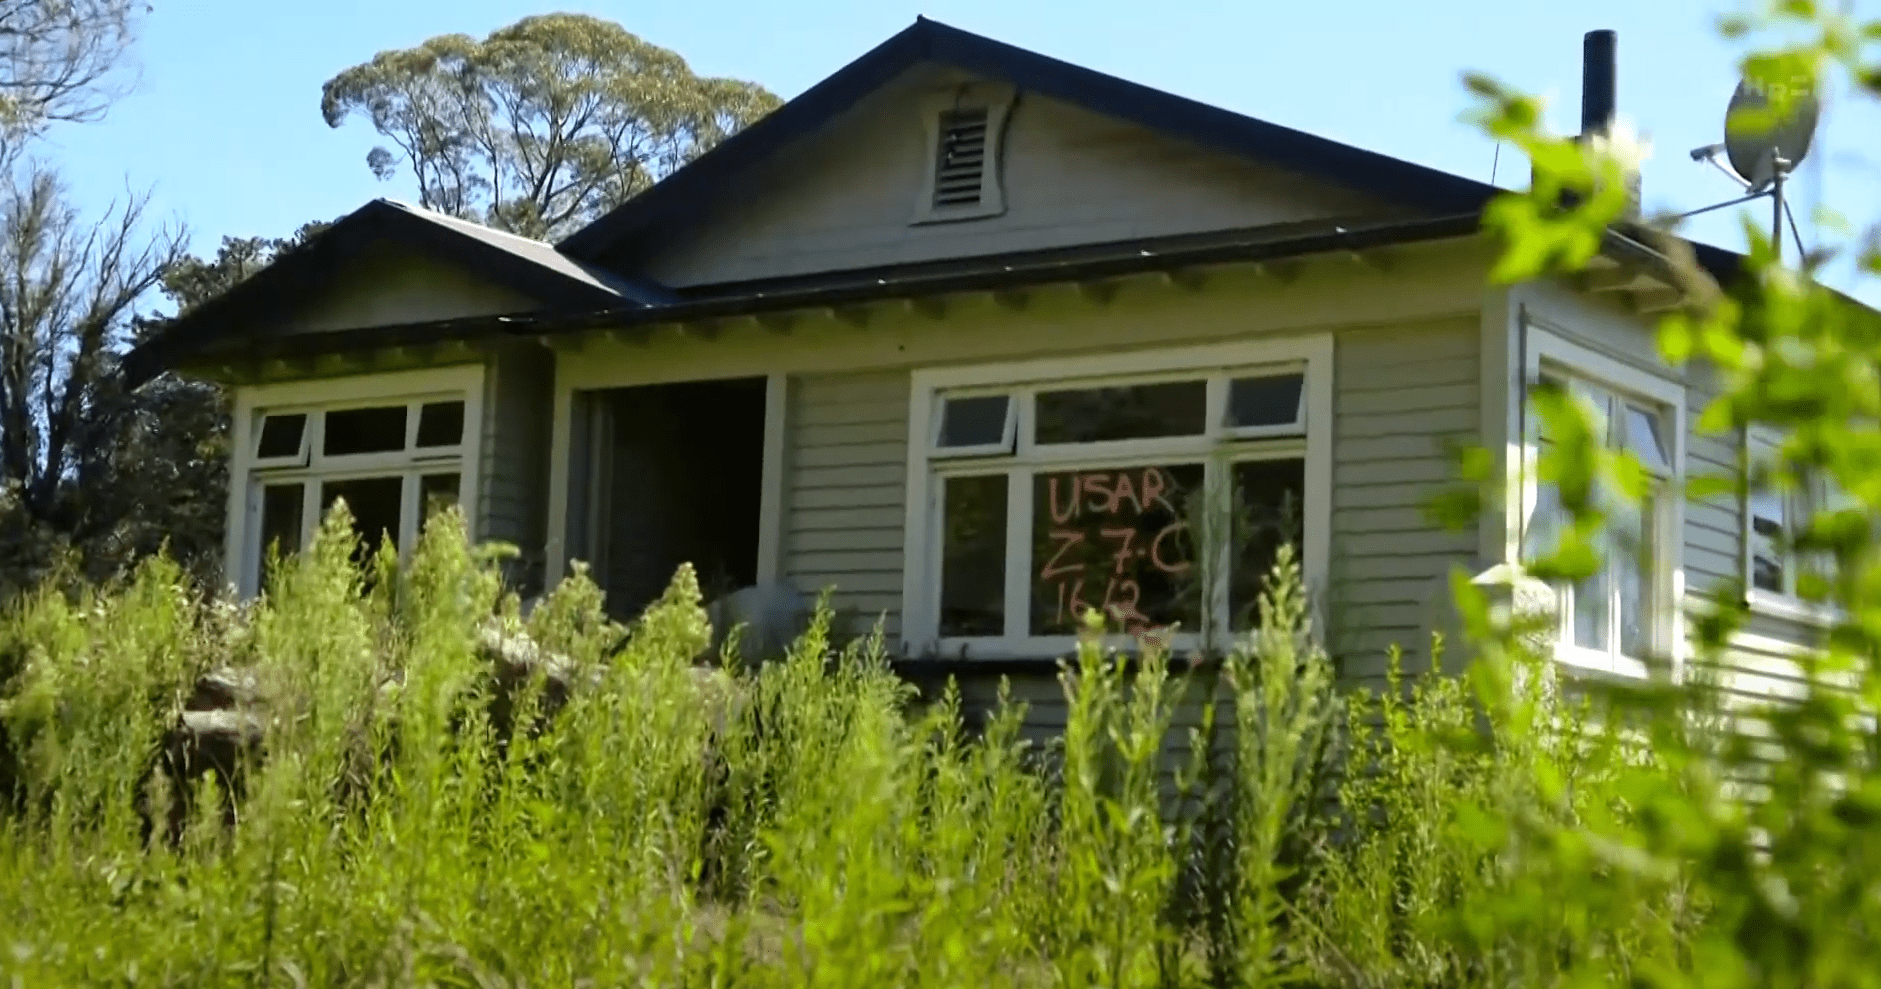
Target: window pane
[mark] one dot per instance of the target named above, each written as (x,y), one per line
(1089,415)
(973,556)
(375,430)
(1626,562)
(976,421)
(374,503)
(1267,505)
(437,492)
(280,518)
(1541,531)
(280,436)
(1597,405)
(1642,439)
(1269,401)
(1114,539)
(440,424)
(1766,540)
(1534,428)
(1832,501)
(1592,609)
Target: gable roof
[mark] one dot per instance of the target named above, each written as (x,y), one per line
(578,293)
(531,267)
(1379,175)
(620,289)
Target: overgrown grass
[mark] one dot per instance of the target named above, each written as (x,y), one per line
(805,824)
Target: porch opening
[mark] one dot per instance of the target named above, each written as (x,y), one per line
(681,468)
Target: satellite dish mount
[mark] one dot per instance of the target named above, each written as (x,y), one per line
(1763,150)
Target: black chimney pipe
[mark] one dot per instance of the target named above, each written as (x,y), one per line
(1599,82)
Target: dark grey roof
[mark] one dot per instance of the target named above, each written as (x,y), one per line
(560,283)
(545,254)
(578,292)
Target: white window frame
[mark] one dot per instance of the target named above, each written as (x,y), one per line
(1310,355)
(1798,506)
(1008,434)
(249,474)
(1559,356)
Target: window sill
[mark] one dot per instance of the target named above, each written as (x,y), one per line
(1766,604)
(994,652)
(1587,664)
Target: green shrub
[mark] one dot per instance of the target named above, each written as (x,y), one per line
(806,824)
(800,824)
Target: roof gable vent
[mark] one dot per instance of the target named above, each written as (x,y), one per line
(960,170)
(965,126)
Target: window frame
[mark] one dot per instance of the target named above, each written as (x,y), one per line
(1009,430)
(1219,447)
(1628,384)
(296,459)
(250,473)
(1798,505)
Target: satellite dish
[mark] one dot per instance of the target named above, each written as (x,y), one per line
(1753,146)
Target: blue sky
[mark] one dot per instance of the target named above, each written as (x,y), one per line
(225,127)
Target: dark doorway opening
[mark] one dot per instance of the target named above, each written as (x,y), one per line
(683,469)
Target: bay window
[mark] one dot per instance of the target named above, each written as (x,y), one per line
(1623,614)
(394,454)
(1156,490)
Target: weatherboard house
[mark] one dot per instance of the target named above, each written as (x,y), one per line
(961,334)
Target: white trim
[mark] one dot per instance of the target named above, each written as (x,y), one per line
(1541,344)
(1220,400)
(1133,364)
(921,557)
(561,440)
(1008,431)
(579,398)
(1499,528)
(236,506)
(1316,555)
(917,612)
(1798,509)
(320,395)
(771,498)
(597,521)
(363,389)
(301,453)
(1820,614)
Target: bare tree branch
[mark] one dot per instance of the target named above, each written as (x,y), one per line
(60,61)
(69,289)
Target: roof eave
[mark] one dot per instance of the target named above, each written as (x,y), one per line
(993,278)
(287,275)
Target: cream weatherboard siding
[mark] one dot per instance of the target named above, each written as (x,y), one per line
(1400,391)
(1714,542)
(1403,391)
(387,285)
(1069,177)
(519,396)
(847,436)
